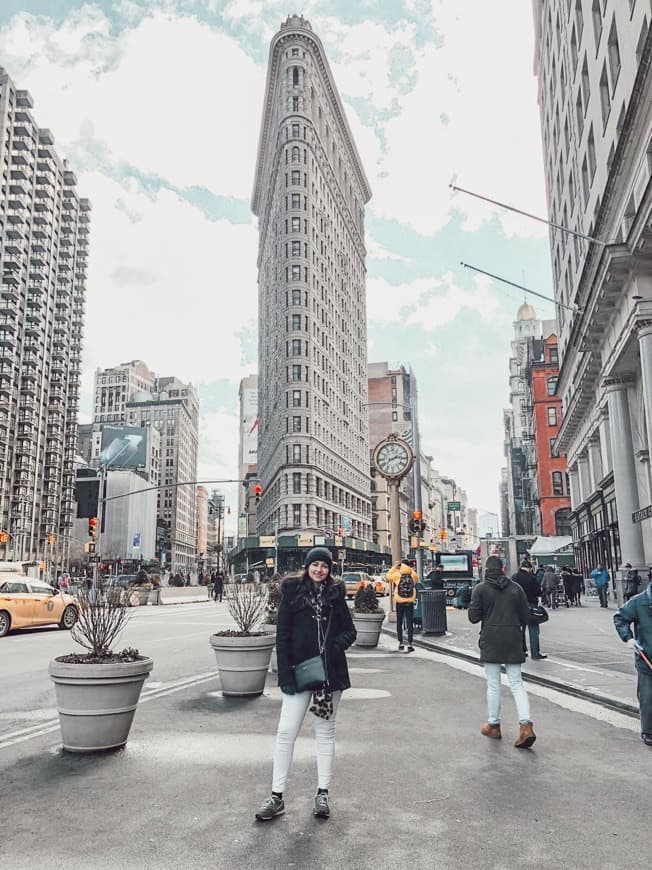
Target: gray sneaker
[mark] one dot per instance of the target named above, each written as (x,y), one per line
(321,808)
(272,806)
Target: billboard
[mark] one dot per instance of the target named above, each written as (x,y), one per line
(123,447)
(454,562)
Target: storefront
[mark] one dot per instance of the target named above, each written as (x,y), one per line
(594,526)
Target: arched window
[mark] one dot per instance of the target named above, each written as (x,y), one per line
(296,154)
(295,75)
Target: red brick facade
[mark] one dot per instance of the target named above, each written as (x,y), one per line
(552,476)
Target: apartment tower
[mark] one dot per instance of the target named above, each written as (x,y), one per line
(593,59)
(44,228)
(309,196)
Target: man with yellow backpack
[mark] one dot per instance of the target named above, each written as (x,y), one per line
(404,588)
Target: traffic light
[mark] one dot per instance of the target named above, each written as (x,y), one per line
(416,524)
(92,528)
(258,491)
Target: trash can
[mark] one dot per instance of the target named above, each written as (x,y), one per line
(433,611)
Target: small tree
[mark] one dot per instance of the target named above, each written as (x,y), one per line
(366,600)
(101,619)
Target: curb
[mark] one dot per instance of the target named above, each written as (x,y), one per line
(548,683)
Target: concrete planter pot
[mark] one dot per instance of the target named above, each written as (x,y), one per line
(243,663)
(97,703)
(367,626)
(270,628)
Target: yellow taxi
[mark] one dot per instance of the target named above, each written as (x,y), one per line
(25,602)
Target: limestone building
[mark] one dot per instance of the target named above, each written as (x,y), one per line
(309,196)
(44,229)
(593,62)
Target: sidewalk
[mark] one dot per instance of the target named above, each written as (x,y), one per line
(586,657)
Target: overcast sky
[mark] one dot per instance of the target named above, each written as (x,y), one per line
(157,106)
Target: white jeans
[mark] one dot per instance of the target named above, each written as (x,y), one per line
(293,713)
(492,672)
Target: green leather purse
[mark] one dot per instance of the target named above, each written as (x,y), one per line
(310,674)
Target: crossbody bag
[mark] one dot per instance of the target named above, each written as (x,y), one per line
(311,673)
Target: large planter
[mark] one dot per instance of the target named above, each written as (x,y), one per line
(243,662)
(97,703)
(367,627)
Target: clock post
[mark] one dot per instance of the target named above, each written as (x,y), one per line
(393,458)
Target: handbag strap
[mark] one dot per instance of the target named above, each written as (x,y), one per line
(321,639)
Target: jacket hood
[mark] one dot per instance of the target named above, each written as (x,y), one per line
(497,580)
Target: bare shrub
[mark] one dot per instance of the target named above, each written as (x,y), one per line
(101,620)
(247,603)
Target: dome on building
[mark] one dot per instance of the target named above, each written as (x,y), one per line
(526,312)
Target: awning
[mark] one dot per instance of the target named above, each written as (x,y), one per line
(546,546)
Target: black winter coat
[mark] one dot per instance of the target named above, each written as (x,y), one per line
(296,632)
(529,585)
(502,608)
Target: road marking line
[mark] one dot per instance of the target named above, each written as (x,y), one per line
(22,734)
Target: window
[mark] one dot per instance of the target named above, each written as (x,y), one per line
(295,225)
(552,386)
(579,114)
(296,347)
(295,177)
(605,100)
(553,354)
(552,416)
(590,149)
(296,424)
(296,398)
(597,22)
(295,75)
(296,297)
(573,51)
(296,249)
(295,52)
(295,104)
(296,453)
(296,514)
(586,86)
(296,373)
(296,273)
(296,321)
(613,52)
(553,451)
(579,19)
(586,184)
(557,483)
(295,131)
(295,200)
(296,482)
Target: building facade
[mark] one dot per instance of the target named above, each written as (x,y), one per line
(44,232)
(114,387)
(202,523)
(309,196)
(545,488)
(248,453)
(593,62)
(522,517)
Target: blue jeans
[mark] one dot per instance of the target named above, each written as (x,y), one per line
(492,673)
(533,631)
(405,612)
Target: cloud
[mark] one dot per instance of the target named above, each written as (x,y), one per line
(376,251)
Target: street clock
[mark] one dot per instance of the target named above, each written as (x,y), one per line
(393,457)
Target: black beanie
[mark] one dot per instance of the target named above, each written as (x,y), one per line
(493,565)
(319,554)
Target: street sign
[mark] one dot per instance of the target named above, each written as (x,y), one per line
(267,541)
(454,506)
(341,555)
(644,514)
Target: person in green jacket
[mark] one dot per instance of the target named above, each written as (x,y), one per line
(501,607)
(638,613)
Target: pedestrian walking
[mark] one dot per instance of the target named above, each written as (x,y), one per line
(600,577)
(637,612)
(577,586)
(501,607)
(525,579)
(313,629)
(567,580)
(549,587)
(436,577)
(218,585)
(404,582)
(632,582)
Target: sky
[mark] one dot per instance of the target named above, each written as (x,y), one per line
(156,104)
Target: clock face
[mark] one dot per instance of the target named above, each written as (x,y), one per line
(393,459)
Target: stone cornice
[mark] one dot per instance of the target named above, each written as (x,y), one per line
(619,382)
(305,33)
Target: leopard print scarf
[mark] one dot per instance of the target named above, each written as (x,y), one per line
(322,703)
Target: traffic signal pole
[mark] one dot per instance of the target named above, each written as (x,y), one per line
(416,468)
(101,507)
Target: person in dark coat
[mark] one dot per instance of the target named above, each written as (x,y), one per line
(501,607)
(218,585)
(436,577)
(632,582)
(313,619)
(637,612)
(525,579)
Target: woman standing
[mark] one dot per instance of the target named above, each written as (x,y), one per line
(501,606)
(313,620)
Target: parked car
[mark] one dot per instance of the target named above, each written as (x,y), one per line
(25,602)
(121,580)
(352,581)
(380,585)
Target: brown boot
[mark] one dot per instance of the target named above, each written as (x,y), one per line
(491,731)
(526,736)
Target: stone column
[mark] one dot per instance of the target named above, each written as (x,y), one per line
(627,501)
(573,480)
(645,345)
(595,460)
(605,442)
(585,476)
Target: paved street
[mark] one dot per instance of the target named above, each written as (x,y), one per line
(416,785)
